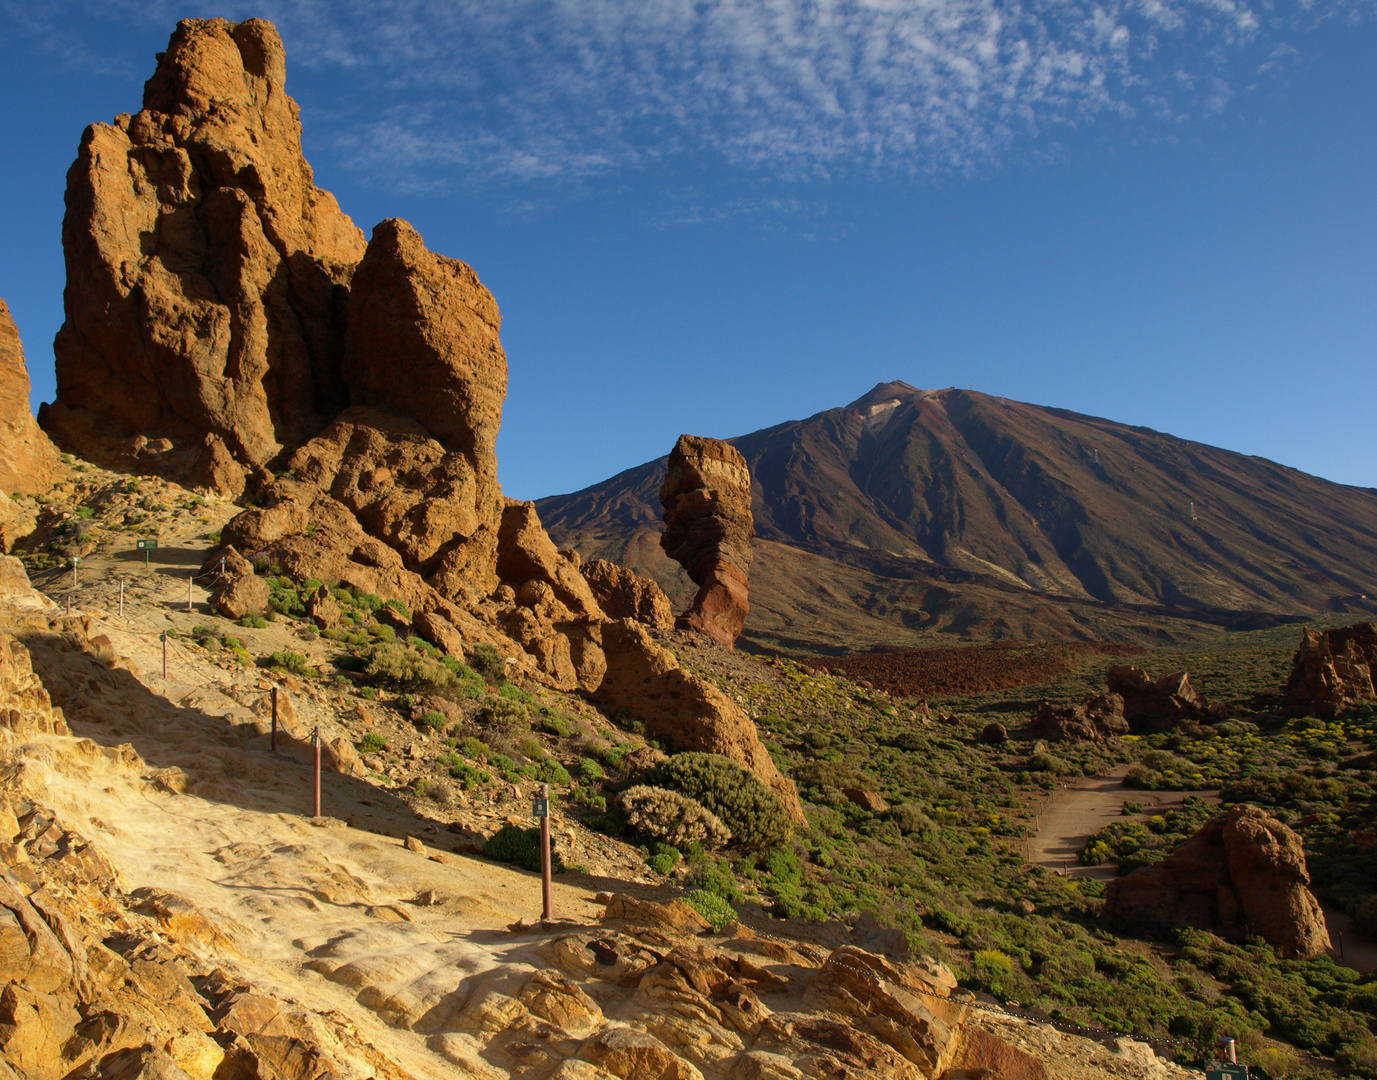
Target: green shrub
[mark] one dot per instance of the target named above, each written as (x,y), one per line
(512,692)
(503,764)
(435,719)
(368,601)
(552,772)
(750,810)
(383,632)
(715,876)
(284,599)
(371,743)
(399,607)
(668,816)
(488,662)
(231,642)
(467,775)
(473,748)
(394,665)
(513,844)
(911,819)
(531,748)
(590,770)
(253,622)
(1048,763)
(712,907)
(343,596)
(557,724)
(293,662)
(663,858)
(504,719)
(368,693)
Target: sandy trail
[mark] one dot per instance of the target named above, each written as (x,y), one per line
(1085,806)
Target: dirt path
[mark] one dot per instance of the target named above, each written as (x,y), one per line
(1083,807)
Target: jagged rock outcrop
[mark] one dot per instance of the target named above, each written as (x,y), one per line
(1155,704)
(625,594)
(28,459)
(1332,670)
(1099,718)
(207,275)
(1242,873)
(706,498)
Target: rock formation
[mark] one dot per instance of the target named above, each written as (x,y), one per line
(1155,704)
(1101,717)
(1332,670)
(207,275)
(28,460)
(706,498)
(624,594)
(1242,873)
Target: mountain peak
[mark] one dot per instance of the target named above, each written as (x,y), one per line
(884,392)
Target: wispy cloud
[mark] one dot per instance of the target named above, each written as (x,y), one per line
(535,90)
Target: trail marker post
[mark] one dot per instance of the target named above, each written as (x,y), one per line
(146,546)
(164,654)
(274,719)
(188,591)
(121,598)
(317,742)
(541,810)
(69,603)
(76,561)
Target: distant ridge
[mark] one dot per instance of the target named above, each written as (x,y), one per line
(911,510)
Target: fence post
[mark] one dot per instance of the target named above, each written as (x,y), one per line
(546,889)
(317,741)
(188,591)
(121,598)
(274,719)
(164,654)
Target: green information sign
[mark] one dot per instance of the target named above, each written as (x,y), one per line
(146,546)
(540,808)
(1216,1071)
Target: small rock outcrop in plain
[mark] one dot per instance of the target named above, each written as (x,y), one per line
(1333,669)
(1242,873)
(706,498)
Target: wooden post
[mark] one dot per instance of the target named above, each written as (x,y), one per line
(188,591)
(274,719)
(69,603)
(317,742)
(546,888)
(121,598)
(74,574)
(164,654)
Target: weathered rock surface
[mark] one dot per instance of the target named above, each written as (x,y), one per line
(28,459)
(1154,704)
(706,498)
(207,275)
(1333,669)
(645,677)
(1242,873)
(625,594)
(1099,718)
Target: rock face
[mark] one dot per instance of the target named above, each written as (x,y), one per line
(207,275)
(1154,704)
(1333,669)
(1242,872)
(706,498)
(28,460)
(1102,717)
(624,594)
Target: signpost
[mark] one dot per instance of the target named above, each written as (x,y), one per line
(76,561)
(146,546)
(1223,1070)
(541,809)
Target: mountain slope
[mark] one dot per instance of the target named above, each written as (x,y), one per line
(1042,509)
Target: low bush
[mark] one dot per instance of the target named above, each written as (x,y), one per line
(488,662)
(502,719)
(590,770)
(512,692)
(253,622)
(473,748)
(292,662)
(664,858)
(750,810)
(371,743)
(400,668)
(712,907)
(435,720)
(676,819)
(557,724)
(530,748)
(911,819)
(513,844)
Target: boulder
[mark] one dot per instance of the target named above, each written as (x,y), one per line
(1155,704)
(207,275)
(624,594)
(1099,718)
(1242,873)
(706,497)
(1332,670)
(234,590)
(28,460)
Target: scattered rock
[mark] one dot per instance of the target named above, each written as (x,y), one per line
(412,843)
(866,800)
(706,496)
(994,734)
(1242,872)
(1332,670)
(1099,718)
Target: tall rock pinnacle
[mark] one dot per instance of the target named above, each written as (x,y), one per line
(206,273)
(28,461)
(706,498)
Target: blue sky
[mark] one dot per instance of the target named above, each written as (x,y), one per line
(712,217)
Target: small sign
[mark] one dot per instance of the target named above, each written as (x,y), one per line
(1222,1071)
(76,560)
(540,808)
(146,545)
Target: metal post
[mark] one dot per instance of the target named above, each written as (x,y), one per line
(274,719)
(164,654)
(222,566)
(547,889)
(145,558)
(121,598)
(188,591)
(317,741)
(1341,944)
